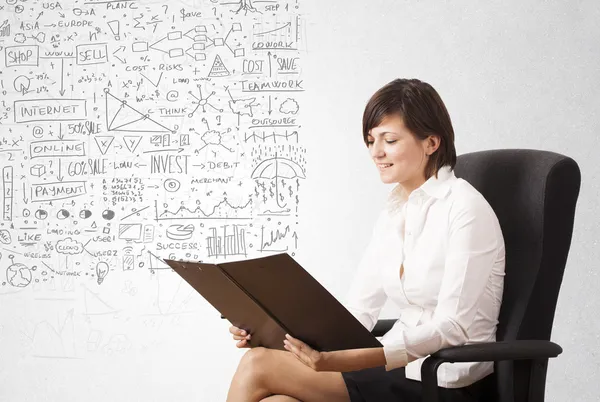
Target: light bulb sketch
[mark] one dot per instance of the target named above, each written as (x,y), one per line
(101,271)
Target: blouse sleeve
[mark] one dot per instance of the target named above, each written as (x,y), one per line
(366,296)
(472,250)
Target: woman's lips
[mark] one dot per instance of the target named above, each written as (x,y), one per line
(384,166)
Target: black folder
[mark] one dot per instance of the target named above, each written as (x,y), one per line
(271,296)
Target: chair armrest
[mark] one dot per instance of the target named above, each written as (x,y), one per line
(485,352)
(538,351)
(504,350)
(382,327)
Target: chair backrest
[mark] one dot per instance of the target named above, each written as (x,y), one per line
(534,194)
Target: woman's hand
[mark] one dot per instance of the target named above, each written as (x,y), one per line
(312,358)
(337,360)
(241,336)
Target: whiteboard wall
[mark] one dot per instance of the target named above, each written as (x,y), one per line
(218,131)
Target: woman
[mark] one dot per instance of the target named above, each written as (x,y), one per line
(437,251)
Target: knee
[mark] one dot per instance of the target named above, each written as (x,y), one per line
(254,365)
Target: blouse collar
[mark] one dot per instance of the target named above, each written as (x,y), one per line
(433,187)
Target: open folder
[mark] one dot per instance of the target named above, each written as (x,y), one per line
(272,296)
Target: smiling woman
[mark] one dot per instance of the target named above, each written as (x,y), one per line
(398,154)
(437,252)
(414,122)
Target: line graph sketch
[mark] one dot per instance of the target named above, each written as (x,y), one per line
(222,210)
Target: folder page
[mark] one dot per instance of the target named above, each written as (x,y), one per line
(297,300)
(240,308)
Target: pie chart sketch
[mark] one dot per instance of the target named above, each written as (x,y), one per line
(22,84)
(41,214)
(85,213)
(108,214)
(63,214)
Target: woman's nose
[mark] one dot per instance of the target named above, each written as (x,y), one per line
(377,150)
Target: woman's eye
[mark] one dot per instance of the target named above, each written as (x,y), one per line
(369,143)
(391,142)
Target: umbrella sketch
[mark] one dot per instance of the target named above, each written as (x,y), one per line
(276,168)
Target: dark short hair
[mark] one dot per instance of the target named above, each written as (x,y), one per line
(423,113)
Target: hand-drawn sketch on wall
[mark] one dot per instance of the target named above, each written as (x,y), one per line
(276,168)
(132,131)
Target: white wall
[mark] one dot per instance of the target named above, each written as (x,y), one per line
(512,74)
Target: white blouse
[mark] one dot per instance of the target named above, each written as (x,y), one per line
(449,240)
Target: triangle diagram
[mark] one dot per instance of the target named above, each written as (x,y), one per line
(119,113)
(103,142)
(218,68)
(142,125)
(122,117)
(94,305)
(161,263)
(132,142)
(157,80)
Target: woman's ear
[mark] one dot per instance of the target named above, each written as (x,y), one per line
(432,144)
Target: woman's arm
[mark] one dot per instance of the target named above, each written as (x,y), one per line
(352,359)
(339,360)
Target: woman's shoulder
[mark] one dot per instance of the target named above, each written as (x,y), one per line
(469,207)
(463,197)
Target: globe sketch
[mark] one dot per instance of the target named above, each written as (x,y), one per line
(18,275)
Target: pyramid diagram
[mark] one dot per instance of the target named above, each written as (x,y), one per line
(218,68)
(132,142)
(122,117)
(103,142)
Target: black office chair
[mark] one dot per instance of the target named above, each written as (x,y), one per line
(533,194)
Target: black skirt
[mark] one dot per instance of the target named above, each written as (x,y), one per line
(378,385)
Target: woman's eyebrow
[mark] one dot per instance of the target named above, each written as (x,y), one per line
(383,133)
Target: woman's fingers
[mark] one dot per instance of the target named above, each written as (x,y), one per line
(237,331)
(239,335)
(242,344)
(239,338)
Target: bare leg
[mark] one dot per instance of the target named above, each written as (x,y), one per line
(279,398)
(268,372)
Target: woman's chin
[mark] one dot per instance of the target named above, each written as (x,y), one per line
(388,180)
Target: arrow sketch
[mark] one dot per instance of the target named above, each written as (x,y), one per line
(62,68)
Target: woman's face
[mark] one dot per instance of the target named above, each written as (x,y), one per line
(399,156)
